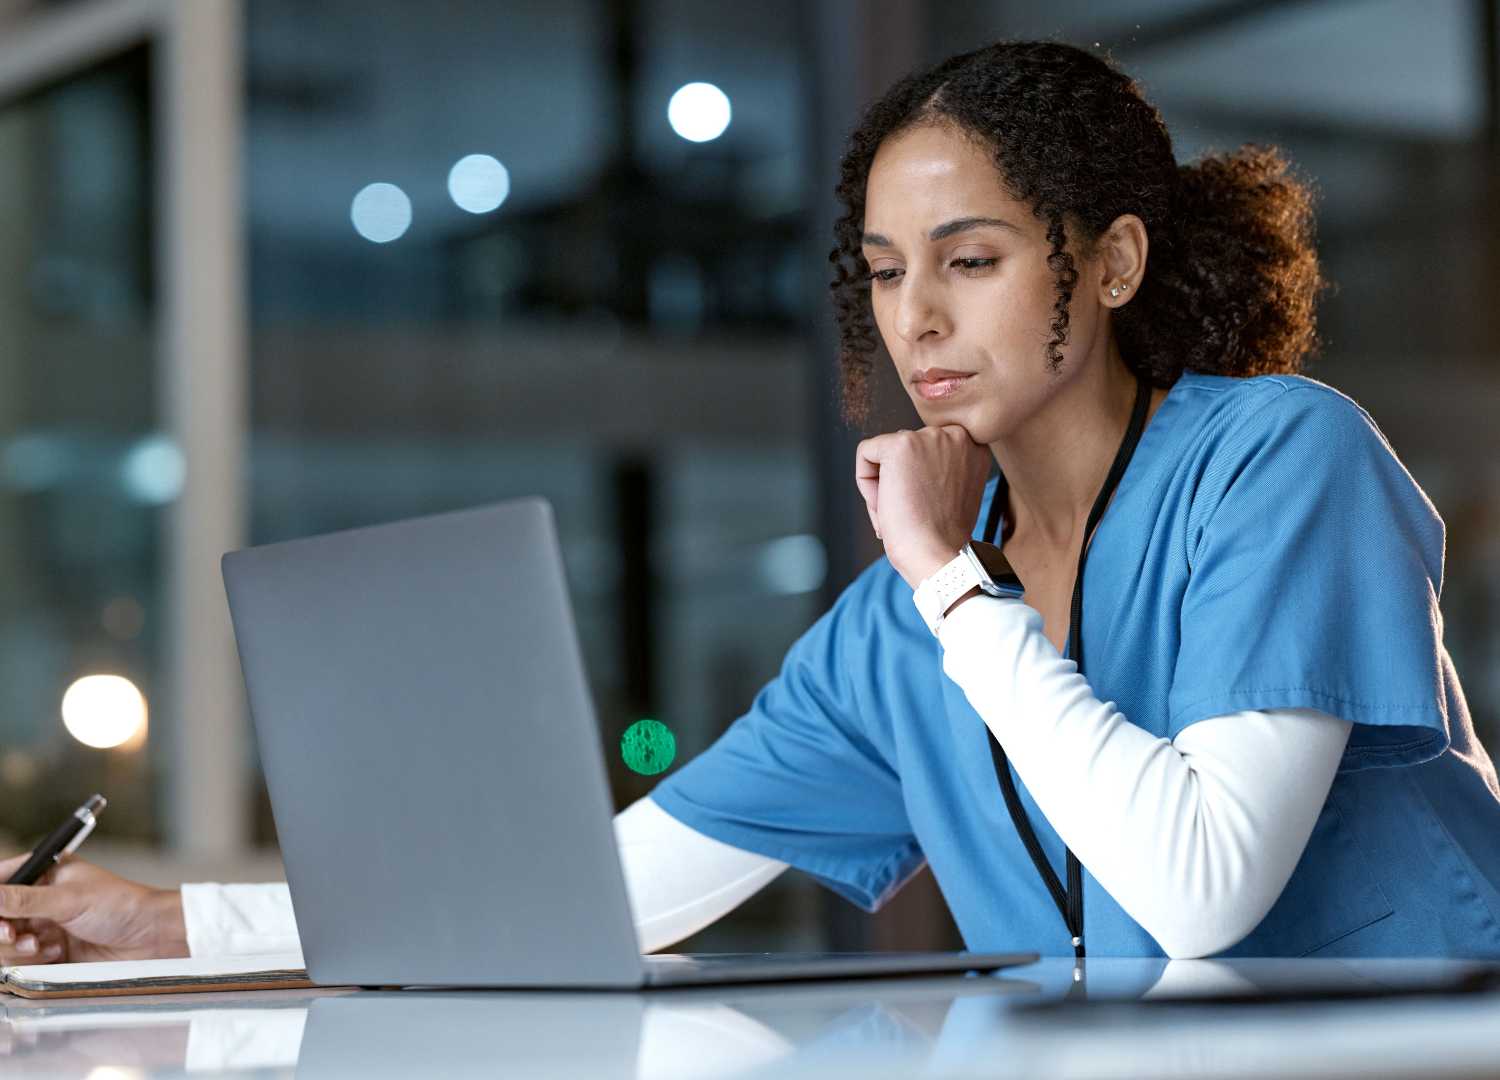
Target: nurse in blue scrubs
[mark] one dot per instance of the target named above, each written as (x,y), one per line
(1153,664)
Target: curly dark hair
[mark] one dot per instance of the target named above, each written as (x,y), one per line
(1232,276)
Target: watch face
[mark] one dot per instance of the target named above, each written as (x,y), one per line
(996,578)
(1009,585)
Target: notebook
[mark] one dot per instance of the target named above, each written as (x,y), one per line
(269,971)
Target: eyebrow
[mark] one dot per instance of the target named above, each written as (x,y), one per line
(948,228)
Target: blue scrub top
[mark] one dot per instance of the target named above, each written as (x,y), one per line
(1265,549)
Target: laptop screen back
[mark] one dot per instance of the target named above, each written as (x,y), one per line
(429,745)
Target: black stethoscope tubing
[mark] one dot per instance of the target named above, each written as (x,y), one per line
(1069,901)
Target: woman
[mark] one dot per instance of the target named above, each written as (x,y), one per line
(1269,753)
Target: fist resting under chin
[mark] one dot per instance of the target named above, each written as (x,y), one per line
(922,490)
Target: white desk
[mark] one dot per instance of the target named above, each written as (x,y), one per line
(954,1026)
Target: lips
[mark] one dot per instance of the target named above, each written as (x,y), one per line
(936,374)
(935,383)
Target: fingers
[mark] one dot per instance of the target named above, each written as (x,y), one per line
(868,490)
(39,902)
(930,478)
(867,477)
(52,943)
(869,455)
(31,951)
(11,865)
(33,943)
(872,451)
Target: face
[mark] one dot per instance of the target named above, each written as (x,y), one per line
(960,288)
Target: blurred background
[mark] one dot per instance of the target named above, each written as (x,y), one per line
(276,267)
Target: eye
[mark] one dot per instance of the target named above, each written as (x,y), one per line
(971,265)
(884,277)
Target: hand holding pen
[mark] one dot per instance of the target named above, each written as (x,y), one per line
(82,912)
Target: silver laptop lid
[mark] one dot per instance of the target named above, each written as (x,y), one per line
(429,744)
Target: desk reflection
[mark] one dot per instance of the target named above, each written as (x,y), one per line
(700,1032)
(886,1027)
(113,1039)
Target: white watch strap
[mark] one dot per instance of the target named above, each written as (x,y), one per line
(935,594)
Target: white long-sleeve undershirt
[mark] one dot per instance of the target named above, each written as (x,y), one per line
(678,881)
(1195,838)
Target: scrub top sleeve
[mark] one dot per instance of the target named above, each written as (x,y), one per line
(805,776)
(1315,570)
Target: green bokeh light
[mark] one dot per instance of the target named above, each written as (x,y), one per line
(648,747)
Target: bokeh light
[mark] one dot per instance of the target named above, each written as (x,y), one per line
(648,747)
(154,470)
(791,565)
(104,711)
(699,112)
(478,183)
(381,213)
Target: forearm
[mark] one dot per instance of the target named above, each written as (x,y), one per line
(1196,839)
(678,881)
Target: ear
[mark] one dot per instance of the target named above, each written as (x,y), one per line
(1120,258)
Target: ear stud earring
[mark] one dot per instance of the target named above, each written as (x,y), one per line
(1116,290)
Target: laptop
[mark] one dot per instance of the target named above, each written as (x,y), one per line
(435,771)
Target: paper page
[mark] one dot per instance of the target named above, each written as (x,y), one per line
(195,967)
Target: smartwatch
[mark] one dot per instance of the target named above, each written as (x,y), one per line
(935,594)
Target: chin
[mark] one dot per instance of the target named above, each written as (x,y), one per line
(974,419)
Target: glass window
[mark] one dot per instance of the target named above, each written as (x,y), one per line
(510,249)
(84,470)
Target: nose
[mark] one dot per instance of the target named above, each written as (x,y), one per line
(919,311)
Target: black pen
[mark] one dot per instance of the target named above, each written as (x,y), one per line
(61,841)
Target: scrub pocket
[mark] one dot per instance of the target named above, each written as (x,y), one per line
(1332,893)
